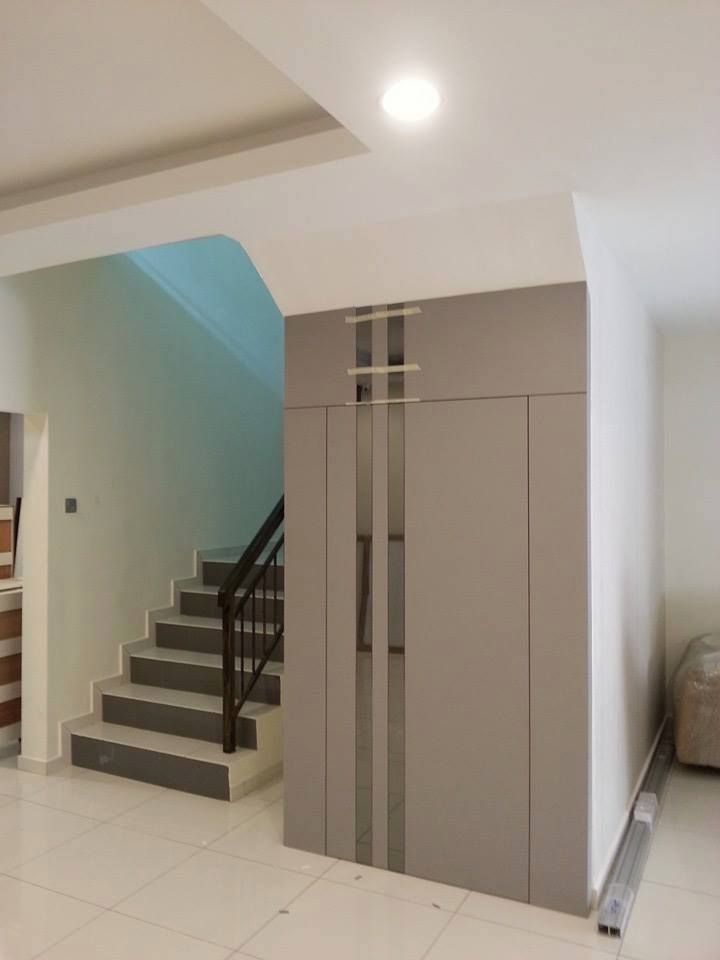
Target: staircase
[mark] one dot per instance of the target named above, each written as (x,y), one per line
(162,722)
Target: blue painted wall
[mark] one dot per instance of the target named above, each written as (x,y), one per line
(215,281)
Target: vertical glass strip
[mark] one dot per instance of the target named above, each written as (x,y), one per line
(364,508)
(396,597)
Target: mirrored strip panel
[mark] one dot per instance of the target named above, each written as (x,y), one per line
(364,613)
(396,593)
(394,368)
(383,403)
(380,604)
(361,316)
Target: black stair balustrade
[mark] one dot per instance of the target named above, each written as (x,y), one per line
(245,592)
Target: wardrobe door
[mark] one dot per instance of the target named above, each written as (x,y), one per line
(342,548)
(466,644)
(304,689)
(559,666)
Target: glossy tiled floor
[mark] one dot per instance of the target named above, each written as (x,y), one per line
(96,867)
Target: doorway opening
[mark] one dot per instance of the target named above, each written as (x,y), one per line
(11,580)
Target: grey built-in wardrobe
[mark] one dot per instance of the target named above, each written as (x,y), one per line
(437,669)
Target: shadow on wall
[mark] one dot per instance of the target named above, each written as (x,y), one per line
(215,281)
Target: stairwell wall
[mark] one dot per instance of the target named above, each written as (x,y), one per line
(168,441)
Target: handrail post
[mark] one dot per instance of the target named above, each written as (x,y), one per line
(242,576)
(229,726)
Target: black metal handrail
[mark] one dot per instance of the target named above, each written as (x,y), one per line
(250,575)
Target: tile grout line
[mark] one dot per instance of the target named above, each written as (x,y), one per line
(174,930)
(537,933)
(437,937)
(96,825)
(263,863)
(110,820)
(287,906)
(463,901)
(160,876)
(56,943)
(209,845)
(672,886)
(90,903)
(55,893)
(243,823)
(351,885)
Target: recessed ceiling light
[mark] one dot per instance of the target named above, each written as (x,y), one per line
(410,100)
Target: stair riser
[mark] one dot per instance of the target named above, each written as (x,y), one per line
(175,636)
(215,571)
(206,605)
(198,679)
(164,770)
(178,721)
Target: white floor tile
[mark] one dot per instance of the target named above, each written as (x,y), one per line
(672,924)
(18,783)
(105,865)
(693,801)
(191,819)
(114,937)
(275,790)
(32,919)
(397,885)
(28,830)
(468,939)
(96,795)
(261,839)
(682,859)
(216,898)
(580,930)
(331,921)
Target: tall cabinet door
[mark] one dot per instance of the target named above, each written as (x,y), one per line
(304,687)
(467,644)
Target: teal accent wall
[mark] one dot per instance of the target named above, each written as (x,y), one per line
(215,281)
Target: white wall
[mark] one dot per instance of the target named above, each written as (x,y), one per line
(692,488)
(168,442)
(626,553)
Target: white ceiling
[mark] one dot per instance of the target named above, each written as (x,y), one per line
(86,85)
(541,99)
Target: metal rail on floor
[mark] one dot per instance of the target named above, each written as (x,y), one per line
(624,880)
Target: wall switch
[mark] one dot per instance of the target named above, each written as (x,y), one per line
(70,505)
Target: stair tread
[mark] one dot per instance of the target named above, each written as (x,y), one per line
(209,589)
(184,698)
(162,743)
(195,658)
(210,623)
(233,555)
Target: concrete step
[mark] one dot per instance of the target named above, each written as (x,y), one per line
(200,600)
(190,670)
(204,635)
(181,763)
(183,713)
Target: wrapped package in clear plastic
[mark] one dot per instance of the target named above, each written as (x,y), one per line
(696,696)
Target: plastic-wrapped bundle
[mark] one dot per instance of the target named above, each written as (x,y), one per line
(696,694)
